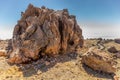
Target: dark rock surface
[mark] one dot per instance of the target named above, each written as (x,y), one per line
(117,41)
(43,31)
(112,49)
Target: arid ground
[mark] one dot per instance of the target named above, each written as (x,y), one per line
(62,67)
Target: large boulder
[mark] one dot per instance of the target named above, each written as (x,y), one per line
(43,31)
(99,60)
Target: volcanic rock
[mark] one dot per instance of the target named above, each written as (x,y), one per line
(99,60)
(117,41)
(43,31)
(112,49)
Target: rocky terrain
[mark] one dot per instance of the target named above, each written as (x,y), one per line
(48,45)
(64,67)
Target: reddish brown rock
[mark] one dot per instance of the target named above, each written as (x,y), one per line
(43,31)
(99,60)
(112,49)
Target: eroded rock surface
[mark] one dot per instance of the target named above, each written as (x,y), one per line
(99,60)
(43,31)
(112,49)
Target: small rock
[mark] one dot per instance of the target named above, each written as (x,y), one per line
(112,49)
(117,41)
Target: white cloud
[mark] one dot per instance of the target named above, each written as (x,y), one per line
(6,32)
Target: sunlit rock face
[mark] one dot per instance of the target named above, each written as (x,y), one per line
(99,60)
(43,31)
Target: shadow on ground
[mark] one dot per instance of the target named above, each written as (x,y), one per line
(98,74)
(45,63)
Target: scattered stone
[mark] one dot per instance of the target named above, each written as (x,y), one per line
(117,41)
(112,49)
(42,30)
(99,60)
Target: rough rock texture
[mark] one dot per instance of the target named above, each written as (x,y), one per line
(99,60)
(43,31)
(117,41)
(112,49)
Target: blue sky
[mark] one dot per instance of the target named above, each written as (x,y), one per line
(89,13)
